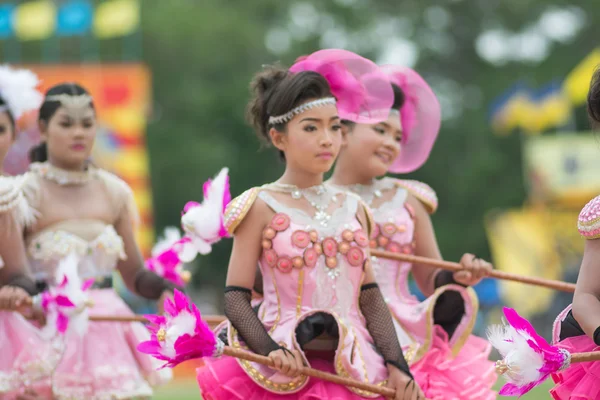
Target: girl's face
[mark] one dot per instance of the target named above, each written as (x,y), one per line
(312,141)
(70,137)
(7,135)
(373,148)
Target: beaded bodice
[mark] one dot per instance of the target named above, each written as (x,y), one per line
(320,266)
(97,245)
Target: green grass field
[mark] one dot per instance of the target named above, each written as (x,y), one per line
(189,391)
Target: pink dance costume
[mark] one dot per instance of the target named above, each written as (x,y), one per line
(27,356)
(312,268)
(103,363)
(447,365)
(447,361)
(581,381)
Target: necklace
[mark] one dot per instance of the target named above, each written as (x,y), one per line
(62,176)
(368,193)
(319,197)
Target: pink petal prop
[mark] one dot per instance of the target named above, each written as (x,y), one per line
(168,263)
(63,301)
(528,359)
(64,282)
(206,187)
(203,224)
(189,205)
(180,334)
(87,284)
(169,307)
(62,323)
(67,299)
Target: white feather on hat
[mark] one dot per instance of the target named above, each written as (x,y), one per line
(18,90)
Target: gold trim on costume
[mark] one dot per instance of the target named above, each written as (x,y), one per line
(299,383)
(236,210)
(460,342)
(423,192)
(424,348)
(278,302)
(300,292)
(259,378)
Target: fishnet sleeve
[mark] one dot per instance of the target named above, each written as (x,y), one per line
(245,320)
(381,327)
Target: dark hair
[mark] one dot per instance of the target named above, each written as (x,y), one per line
(399,99)
(593,99)
(39,153)
(11,118)
(275,92)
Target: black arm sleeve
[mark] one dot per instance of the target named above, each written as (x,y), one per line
(151,286)
(258,282)
(25,283)
(450,306)
(239,312)
(381,327)
(446,277)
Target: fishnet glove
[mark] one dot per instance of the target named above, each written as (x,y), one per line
(241,315)
(381,327)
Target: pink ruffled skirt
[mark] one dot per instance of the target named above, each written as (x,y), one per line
(468,376)
(224,379)
(26,357)
(581,381)
(103,364)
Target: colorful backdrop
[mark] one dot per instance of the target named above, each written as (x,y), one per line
(122,96)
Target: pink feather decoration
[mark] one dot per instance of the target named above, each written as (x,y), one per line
(203,223)
(180,334)
(68,299)
(528,359)
(167,257)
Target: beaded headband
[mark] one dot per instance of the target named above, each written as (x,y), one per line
(300,109)
(75,105)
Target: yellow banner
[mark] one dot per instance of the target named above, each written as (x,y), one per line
(562,168)
(532,242)
(531,115)
(577,83)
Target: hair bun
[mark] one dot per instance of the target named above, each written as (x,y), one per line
(593,99)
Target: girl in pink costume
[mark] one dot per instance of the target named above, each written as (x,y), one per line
(577,328)
(311,243)
(447,362)
(84,211)
(18,94)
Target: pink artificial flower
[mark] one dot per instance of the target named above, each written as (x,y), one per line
(528,359)
(65,301)
(167,254)
(204,223)
(180,334)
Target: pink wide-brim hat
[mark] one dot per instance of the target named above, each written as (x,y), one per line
(420,116)
(361,88)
